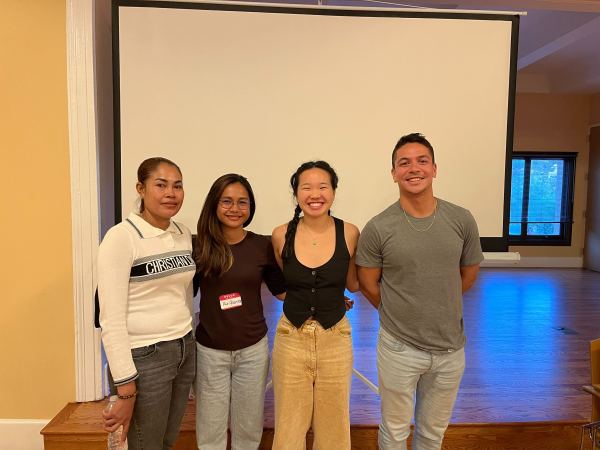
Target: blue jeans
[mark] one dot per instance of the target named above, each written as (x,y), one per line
(404,371)
(166,374)
(231,382)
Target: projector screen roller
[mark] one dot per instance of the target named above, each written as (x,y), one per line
(258,90)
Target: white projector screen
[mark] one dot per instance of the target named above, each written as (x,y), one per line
(259,89)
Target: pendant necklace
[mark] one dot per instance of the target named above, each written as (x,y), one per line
(421,230)
(314,240)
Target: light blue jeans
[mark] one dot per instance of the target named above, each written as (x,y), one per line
(405,371)
(230,386)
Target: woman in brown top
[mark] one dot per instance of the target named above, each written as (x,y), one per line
(231,341)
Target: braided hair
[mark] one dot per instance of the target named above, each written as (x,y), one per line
(290,234)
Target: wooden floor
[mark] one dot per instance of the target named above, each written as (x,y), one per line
(528,333)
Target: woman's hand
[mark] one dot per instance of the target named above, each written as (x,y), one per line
(349,303)
(121,412)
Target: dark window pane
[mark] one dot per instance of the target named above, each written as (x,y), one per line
(543,229)
(514,229)
(516,193)
(545,193)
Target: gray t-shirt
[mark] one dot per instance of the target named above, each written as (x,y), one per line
(421,287)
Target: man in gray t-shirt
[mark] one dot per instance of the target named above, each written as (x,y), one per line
(415,260)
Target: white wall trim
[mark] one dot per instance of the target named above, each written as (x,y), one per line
(84,194)
(20,434)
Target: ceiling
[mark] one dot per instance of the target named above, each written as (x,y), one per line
(559,41)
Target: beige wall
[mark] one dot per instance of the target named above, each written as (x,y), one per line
(37,322)
(551,122)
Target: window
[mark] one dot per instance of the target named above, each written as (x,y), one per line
(541,199)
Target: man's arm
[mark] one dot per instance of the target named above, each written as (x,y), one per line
(351,234)
(368,280)
(468,274)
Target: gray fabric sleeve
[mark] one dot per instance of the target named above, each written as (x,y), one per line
(368,251)
(471,253)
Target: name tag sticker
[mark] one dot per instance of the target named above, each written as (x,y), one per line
(230,301)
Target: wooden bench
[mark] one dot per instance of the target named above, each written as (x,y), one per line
(591,431)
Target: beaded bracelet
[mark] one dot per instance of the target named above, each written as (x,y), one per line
(125,397)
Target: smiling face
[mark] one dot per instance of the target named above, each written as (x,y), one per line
(315,193)
(233,208)
(414,170)
(162,195)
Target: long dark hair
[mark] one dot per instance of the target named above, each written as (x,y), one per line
(147,167)
(290,234)
(211,252)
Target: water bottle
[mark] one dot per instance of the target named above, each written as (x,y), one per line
(114,438)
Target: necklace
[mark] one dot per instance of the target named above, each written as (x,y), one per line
(314,239)
(421,230)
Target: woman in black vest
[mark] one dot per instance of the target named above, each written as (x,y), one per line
(312,355)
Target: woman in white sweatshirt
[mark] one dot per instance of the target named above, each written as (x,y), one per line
(145,270)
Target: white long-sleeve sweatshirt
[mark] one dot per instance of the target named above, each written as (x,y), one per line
(144,288)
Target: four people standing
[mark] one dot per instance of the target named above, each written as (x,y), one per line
(415,260)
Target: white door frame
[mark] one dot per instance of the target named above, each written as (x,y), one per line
(83,149)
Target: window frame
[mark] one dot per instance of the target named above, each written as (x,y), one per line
(568,196)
